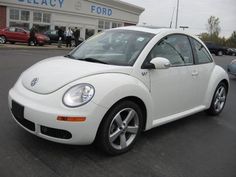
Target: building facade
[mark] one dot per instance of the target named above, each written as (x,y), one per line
(89,16)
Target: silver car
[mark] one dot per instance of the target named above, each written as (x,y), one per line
(232,67)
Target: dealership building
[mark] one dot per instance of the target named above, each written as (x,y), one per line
(89,16)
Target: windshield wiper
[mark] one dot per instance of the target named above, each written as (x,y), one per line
(93,60)
(69,56)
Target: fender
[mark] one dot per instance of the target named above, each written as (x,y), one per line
(120,86)
(218,74)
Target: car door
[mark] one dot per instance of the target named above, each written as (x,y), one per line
(10,34)
(203,68)
(54,35)
(172,89)
(21,35)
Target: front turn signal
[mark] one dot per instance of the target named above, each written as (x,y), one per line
(71,119)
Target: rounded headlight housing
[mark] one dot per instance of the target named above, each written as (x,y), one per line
(78,95)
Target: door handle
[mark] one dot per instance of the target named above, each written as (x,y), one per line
(195,73)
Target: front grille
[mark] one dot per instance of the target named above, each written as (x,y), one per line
(56,133)
(18,113)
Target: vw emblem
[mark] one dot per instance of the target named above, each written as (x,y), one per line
(34,81)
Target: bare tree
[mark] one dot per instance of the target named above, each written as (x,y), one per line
(213,26)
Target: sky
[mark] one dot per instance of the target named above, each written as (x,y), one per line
(192,13)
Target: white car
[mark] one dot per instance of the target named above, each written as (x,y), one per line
(115,85)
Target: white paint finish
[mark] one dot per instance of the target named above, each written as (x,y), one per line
(171,90)
(168,94)
(61,71)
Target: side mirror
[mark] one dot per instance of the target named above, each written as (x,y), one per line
(160,63)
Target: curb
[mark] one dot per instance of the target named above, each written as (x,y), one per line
(18,47)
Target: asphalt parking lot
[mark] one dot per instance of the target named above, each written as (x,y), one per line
(196,146)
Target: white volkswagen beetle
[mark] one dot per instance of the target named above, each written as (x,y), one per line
(117,84)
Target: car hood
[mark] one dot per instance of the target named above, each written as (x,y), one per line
(51,74)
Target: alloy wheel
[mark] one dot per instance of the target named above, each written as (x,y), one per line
(220,98)
(123,128)
(2,39)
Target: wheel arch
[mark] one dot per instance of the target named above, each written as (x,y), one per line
(134,99)
(218,75)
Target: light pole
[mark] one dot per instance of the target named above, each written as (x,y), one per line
(177,15)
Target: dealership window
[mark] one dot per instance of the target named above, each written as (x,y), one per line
(19,24)
(25,15)
(19,18)
(46,18)
(89,33)
(101,24)
(42,17)
(62,27)
(14,14)
(41,21)
(115,25)
(37,17)
(107,25)
(40,28)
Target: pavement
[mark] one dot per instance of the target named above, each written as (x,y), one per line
(195,146)
(24,46)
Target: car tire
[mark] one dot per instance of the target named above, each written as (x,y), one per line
(219,53)
(3,39)
(218,100)
(120,128)
(32,43)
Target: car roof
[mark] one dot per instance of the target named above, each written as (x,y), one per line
(153,30)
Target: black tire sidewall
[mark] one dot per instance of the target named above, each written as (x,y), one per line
(103,134)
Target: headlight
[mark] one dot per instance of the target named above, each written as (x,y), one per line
(78,95)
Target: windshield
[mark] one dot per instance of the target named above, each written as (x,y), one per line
(115,47)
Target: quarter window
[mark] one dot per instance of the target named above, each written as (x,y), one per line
(176,48)
(202,56)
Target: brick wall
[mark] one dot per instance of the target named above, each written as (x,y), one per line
(3,16)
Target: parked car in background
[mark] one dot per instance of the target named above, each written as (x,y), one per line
(232,67)
(53,36)
(231,51)
(216,49)
(115,85)
(16,34)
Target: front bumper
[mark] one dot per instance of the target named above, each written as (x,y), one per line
(42,112)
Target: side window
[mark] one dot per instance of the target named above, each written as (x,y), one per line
(19,30)
(202,56)
(12,29)
(176,48)
(53,32)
